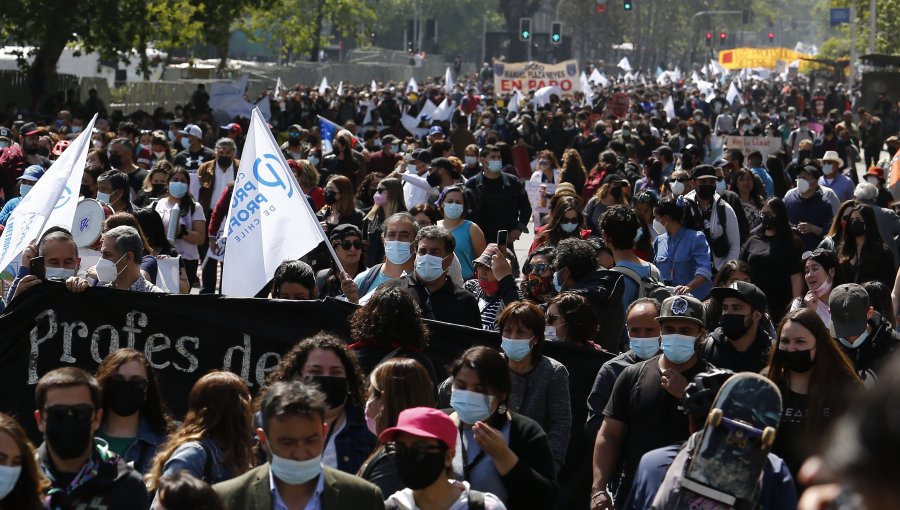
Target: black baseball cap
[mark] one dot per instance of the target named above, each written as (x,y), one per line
(343,230)
(746,292)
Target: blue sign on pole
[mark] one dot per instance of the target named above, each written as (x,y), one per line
(839,16)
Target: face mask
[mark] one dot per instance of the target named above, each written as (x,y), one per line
(9,476)
(102,197)
(856,343)
(404,147)
(59,273)
(626,133)
(495,165)
(489,288)
(826,168)
(125,397)
(295,472)
(429,267)
(856,228)
(185,143)
(644,348)
(294,141)
(434,179)
(616,192)
(178,189)
(395,148)
(658,227)
(768,221)
(171,136)
(720,186)
(157,189)
(539,285)
(223,161)
(76,129)
(823,289)
(380,199)
(706,192)
(550,334)
(802,185)
(471,160)
(159,155)
(68,437)
(24,189)
(734,325)
(872,180)
(370,420)
(556,283)
(796,361)
(677,187)
(419,470)
(568,227)
(453,211)
(106,270)
(516,349)
(471,406)
(397,252)
(334,388)
(314,161)
(330,197)
(115,160)
(678,348)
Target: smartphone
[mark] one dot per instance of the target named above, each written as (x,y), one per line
(502,237)
(37,268)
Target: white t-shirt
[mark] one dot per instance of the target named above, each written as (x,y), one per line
(187,250)
(222,179)
(406,501)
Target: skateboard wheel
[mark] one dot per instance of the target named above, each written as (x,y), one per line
(714,419)
(768,437)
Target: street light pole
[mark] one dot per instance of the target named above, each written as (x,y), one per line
(872,26)
(852,62)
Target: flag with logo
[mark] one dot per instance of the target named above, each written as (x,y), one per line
(51,202)
(269,219)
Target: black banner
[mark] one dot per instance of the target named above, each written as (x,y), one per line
(186,336)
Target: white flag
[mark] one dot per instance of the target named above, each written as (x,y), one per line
(266,205)
(669,108)
(514,101)
(444,111)
(340,90)
(542,95)
(448,81)
(373,87)
(598,79)
(624,64)
(733,95)
(586,89)
(53,197)
(323,86)
(412,86)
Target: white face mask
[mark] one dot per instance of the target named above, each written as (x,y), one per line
(658,227)
(295,472)
(677,187)
(802,185)
(9,475)
(872,180)
(60,273)
(107,271)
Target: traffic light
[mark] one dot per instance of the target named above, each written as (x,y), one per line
(556,33)
(709,39)
(722,38)
(627,5)
(771,37)
(524,29)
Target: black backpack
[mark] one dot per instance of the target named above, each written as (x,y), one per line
(648,286)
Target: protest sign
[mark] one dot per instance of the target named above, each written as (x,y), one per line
(533,190)
(747,144)
(751,58)
(528,76)
(186,336)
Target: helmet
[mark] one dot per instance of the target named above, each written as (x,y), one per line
(701,392)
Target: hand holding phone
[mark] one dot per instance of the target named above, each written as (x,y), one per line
(36,267)
(502,236)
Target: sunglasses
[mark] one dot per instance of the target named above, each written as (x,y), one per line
(539,268)
(79,412)
(420,452)
(345,244)
(681,179)
(814,253)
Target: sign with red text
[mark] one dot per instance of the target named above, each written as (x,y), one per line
(527,76)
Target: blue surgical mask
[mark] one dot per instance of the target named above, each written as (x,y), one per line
(102,197)
(720,186)
(453,211)
(471,406)
(397,252)
(314,161)
(395,148)
(678,348)
(495,165)
(24,189)
(568,227)
(826,168)
(9,476)
(295,472)
(556,283)
(516,349)
(429,267)
(644,348)
(185,143)
(178,189)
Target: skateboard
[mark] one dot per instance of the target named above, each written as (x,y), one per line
(725,468)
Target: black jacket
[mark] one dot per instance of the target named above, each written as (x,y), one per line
(720,352)
(511,214)
(876,350)
(115,486)
(448,304)
(603,289)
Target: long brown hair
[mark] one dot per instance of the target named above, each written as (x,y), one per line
(185,203)
(346,204)
(26,494)
(553,233)
(219,408)
(402,383)
(154,409)
(837,224)
(831,377)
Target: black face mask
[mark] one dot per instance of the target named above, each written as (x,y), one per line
(734,325)
(223,161)
(330,197)
(68,437)
(85,190)
(434,179)
(706,191)
(768,221)
(418,470)
(334,388)
(294,141)
(616,192)
(115,160)
(796,361)
(856,228)
(158,189)
(801,155)
(125,397)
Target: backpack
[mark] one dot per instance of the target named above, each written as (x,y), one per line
(476,501)
(720,245)
(648,286)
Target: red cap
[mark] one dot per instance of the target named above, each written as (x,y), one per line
(423,422)
(234,127)
(877,171)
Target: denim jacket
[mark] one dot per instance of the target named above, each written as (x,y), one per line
(142,451)
(689,257)
(191,456)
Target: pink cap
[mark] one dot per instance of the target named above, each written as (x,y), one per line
(423,422)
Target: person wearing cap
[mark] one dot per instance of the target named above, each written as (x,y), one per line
(875,177)
(293,436)
(808,208)
(235,132)
(714,215)
(832,177)
(887,220)
(424,445)
(348,244)
(14,159)
(661,471)
(385,159)
(739,343)
(294,148)
(644,411)
(499,199)
(26,182)
(444,173)
(194,153)
(865,336)
(494,285)
(435,134)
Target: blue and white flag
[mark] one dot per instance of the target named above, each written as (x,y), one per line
(328,130)
(228,97)
(269,219)
(51,202)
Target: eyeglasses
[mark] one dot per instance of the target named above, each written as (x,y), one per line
(680,179)
(346,244)
(80,412)
(539,268)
